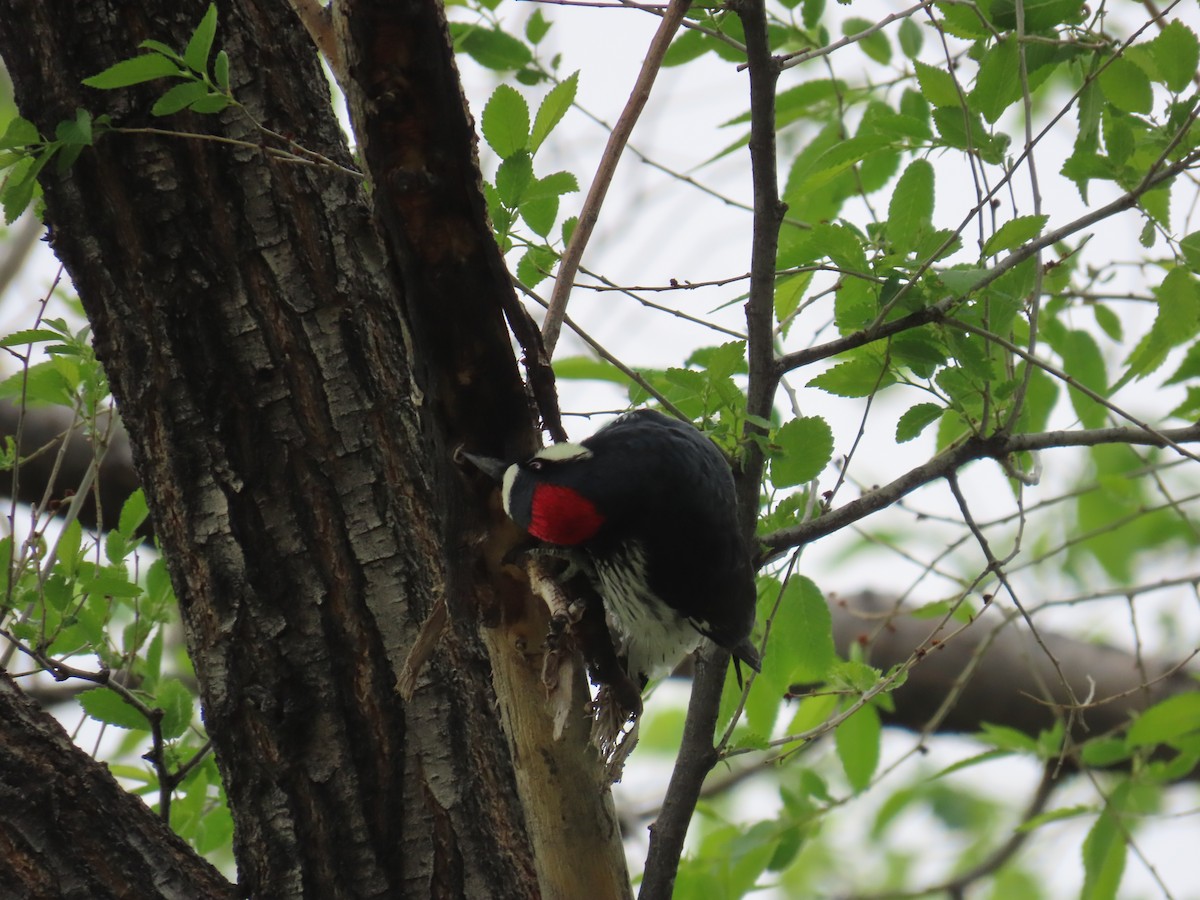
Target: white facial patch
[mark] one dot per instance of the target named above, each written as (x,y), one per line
(563,452)
(506,486)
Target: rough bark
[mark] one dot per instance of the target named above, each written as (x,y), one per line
(50,845)
(292,394)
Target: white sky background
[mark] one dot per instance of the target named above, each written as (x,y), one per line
(654,228)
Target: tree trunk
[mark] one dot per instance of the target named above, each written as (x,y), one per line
(293,388)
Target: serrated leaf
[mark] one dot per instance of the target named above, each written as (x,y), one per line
(800,647)
(506,122)
(1109,321)
(179,97)
(1177,319)
(998,84)
(551,110)
(916,419)
(77,131)
(138,70)
(1126,86)
(133,513)
(177,705)
(1166,721)
(535,265)
(513,176)
(29,336)
(854,378)
(910,213)
(1014,233)
(1176,55)
(937,85)
(105,705)
(115,547)
(19,133)
(210,103)
(539,215)
(805,448)
(200,44)
(858,739)
(552,186)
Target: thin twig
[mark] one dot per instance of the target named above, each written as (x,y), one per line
(569,265)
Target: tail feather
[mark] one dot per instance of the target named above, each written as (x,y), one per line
(745,652)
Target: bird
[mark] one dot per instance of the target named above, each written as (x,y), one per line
(647,510)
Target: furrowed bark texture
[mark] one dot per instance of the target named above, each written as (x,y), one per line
(50,845)
(292,387)
(418,140)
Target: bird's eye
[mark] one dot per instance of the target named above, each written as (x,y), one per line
(536,465)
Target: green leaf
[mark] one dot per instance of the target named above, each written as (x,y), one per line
(687,46)
(937,85)
(1104,853)
(876,46)
(493,49)
(858,740)
(801,643)
(911,38)
(999,83)
(536,265)
(1189,246)
(221,71)
(582,368)
(805,448)
(916,419)
(179,97)
(200,44)
(553,107)
(552,186)
(910,213)
(210,103)
(506,122)
(536,27)
(105,705)
(1166,721)
(133,513)
(539,214)
(1177,320)
(29,336)
(1014,233)
(176,702)
(1173,56)
(115,547)
(1055,815)
(513,176)
(1082,358)
(854,378)
(138,70)
(17,191)
(1126,86)
(77,131)
(19,133)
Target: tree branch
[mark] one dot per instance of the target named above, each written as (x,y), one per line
(952,459)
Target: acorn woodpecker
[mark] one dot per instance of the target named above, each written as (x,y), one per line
(646,509)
